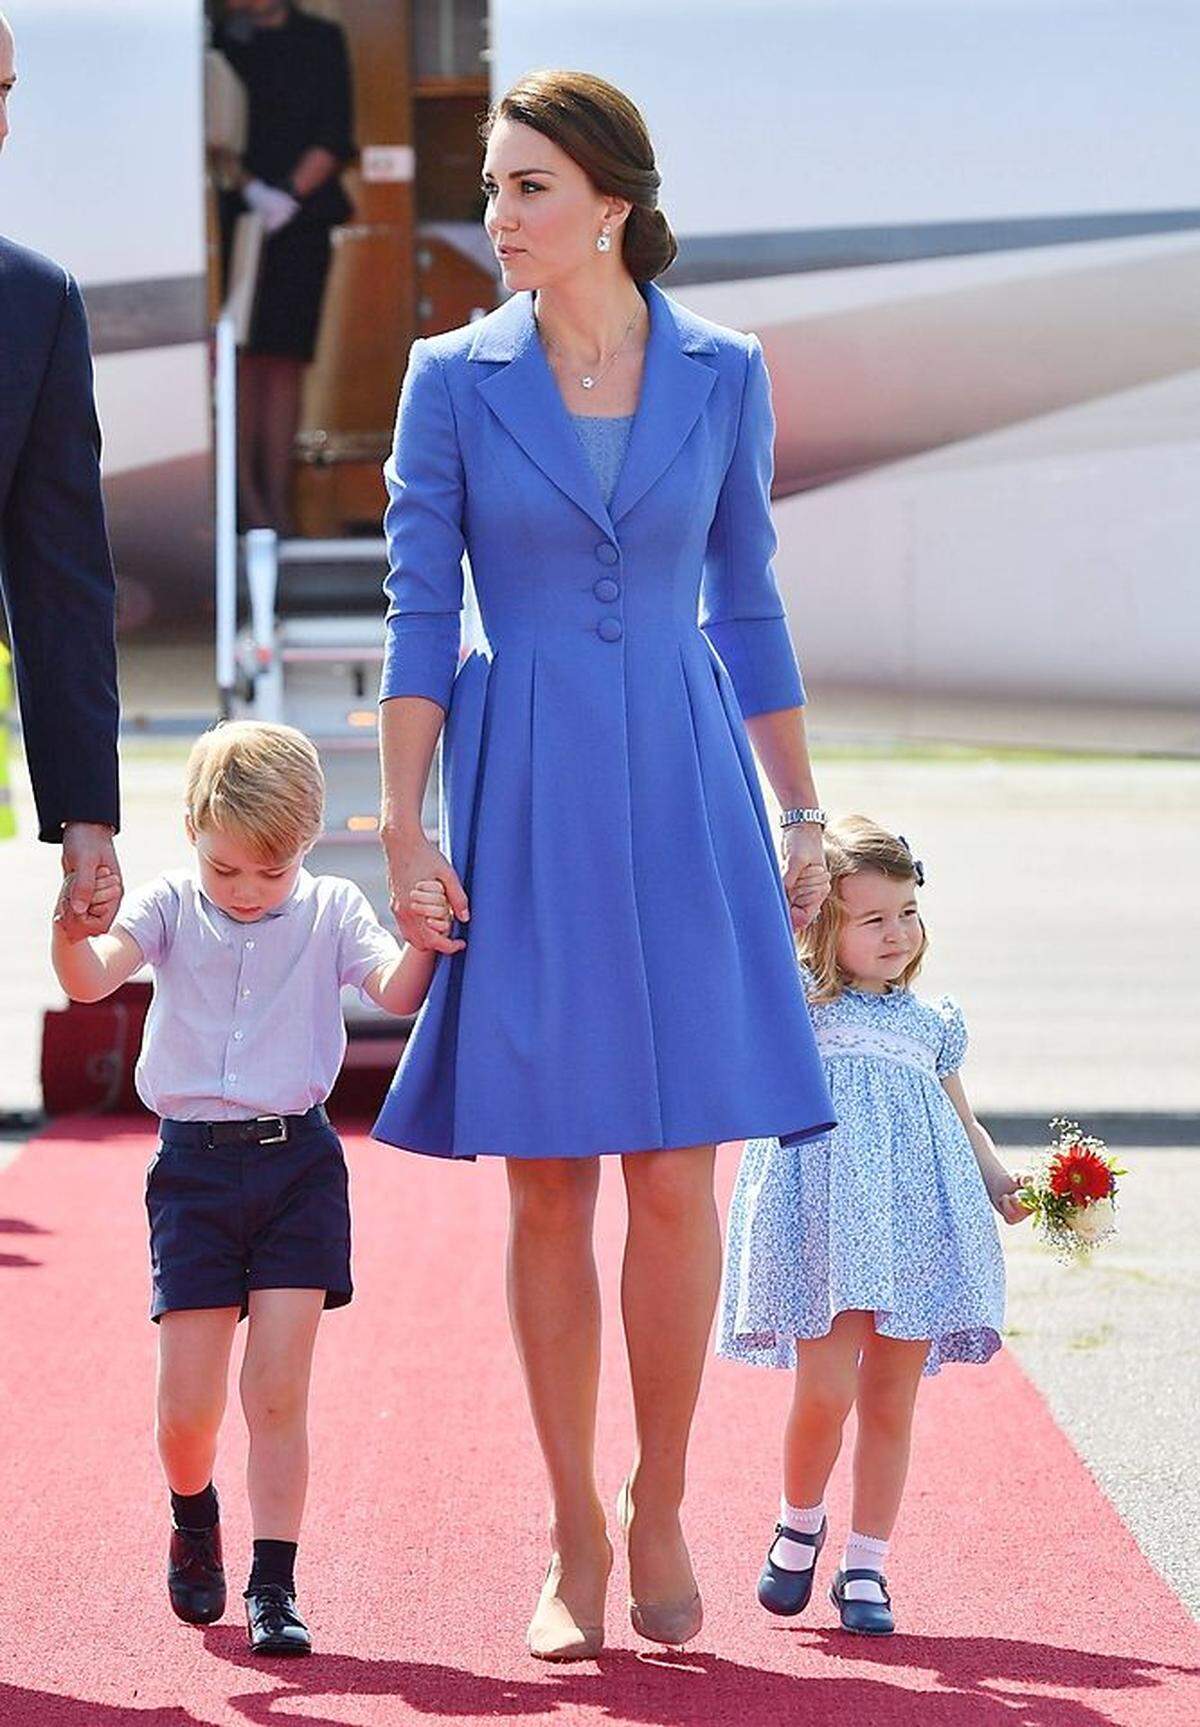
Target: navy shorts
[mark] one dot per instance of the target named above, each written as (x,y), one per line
(226,1219)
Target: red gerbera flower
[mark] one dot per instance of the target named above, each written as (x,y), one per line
(1081,1175)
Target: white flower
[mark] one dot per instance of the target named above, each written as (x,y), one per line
(1090,1222)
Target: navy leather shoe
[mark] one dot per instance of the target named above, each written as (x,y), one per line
(273,1622)
(867,1618)
(195,1575)
(787,1592)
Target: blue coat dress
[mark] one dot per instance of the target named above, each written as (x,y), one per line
(629,980)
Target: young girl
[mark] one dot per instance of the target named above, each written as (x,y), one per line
(869,1256)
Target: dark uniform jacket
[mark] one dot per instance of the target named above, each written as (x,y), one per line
(55,567)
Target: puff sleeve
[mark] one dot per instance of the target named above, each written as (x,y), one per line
(424,533)
(741,612)
(954,1037)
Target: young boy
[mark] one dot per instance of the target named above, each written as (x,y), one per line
(247,1195)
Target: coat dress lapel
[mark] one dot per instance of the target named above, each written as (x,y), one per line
(524,396)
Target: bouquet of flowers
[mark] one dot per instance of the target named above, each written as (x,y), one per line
(1072,1190)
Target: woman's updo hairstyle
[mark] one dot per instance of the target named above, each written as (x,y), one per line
(603,131)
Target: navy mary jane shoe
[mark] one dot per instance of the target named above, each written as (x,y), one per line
(788,1592)
(866,1618)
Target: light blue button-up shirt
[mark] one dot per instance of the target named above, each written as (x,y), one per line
(246,1018)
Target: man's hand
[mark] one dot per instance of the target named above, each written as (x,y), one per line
(87,848)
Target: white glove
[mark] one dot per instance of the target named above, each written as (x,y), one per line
(276,207)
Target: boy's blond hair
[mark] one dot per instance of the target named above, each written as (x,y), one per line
(851,845)
(258,782)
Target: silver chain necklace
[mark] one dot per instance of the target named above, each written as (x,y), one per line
(589,380)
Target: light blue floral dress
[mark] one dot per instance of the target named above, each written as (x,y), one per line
(888,1213)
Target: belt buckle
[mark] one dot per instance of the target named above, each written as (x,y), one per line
(275,1138)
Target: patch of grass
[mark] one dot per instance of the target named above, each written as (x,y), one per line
(931,750)
(1086,1340)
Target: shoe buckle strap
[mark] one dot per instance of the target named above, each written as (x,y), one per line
(860,1575)
(798,1535)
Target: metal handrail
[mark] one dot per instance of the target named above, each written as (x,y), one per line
(226,548)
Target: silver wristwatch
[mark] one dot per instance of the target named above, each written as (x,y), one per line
(794,818)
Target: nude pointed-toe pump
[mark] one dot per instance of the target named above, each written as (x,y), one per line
(554,1633)
(671,1622)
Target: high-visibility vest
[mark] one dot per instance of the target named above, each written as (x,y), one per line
(8,815)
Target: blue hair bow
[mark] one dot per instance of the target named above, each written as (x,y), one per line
(918,866)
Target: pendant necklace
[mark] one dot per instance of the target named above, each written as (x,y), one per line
(589,380)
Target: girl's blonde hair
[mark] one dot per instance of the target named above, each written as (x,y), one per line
(852,845)
(260,783)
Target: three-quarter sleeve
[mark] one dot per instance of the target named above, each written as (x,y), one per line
(741,612)
(424,532)
(334,130)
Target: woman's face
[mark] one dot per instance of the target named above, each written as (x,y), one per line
(881,931)
(543,213)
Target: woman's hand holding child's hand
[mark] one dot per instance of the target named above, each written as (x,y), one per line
(428,901)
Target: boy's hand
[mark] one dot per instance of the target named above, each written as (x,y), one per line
(428,900)
(105,898)
(1002,1191)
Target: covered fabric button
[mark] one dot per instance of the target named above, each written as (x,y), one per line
(606,589)
(607,554)
(609,629)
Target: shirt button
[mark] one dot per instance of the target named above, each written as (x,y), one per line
(607,554)
(607,590)
(609,629)
(237,1036)
(249,944)
(245,993)
(229,1078)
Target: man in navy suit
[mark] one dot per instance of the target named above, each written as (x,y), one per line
(55,568)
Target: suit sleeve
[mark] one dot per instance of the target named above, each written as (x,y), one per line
(741,612)
(423,526)
(61,593)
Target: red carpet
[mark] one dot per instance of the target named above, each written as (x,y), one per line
(1024,1602)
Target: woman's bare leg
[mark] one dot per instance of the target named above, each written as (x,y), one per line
(280,421)
(554,1308)
(669,1284)
(252,503)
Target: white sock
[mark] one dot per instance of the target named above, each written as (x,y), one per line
(863,1553)
(805,1520)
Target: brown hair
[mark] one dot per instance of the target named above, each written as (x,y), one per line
(851,845)
(258,782)
(604,133)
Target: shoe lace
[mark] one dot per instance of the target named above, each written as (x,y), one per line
(273,1608)
(199,1550)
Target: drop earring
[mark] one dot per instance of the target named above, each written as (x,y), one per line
(604,240)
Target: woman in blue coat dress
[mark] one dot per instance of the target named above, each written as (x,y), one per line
(621,977)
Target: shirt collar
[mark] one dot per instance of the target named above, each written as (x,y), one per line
(301,889)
